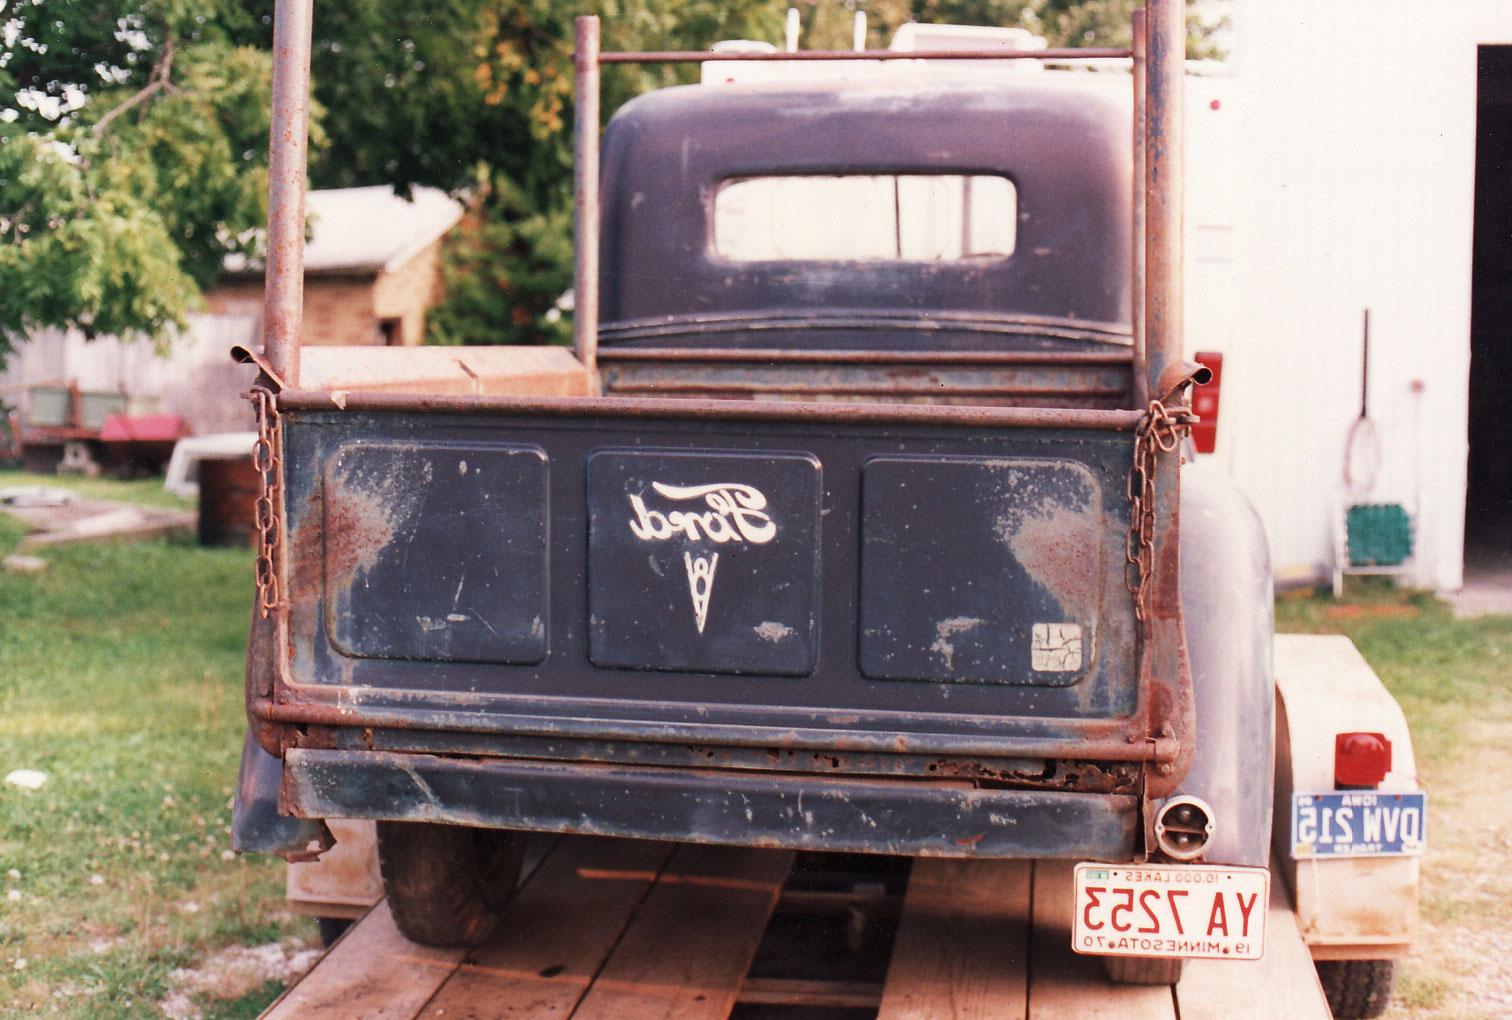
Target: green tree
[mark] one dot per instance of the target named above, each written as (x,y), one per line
(475,97)
(133,138)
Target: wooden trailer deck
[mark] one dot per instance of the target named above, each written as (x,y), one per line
(620,930)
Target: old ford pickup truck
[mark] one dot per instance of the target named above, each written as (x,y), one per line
(855,521)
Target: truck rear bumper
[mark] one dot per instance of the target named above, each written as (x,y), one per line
(927,818)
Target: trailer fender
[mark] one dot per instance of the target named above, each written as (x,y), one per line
(1349,908)
(1226,597)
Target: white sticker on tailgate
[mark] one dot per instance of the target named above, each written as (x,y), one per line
(1192,910)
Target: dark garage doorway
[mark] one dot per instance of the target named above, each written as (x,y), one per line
(1488,496)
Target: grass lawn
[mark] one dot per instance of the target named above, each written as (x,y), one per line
(120,677)
(1453,679)
(145,491)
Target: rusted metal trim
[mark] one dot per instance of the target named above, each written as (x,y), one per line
(271,380)
(912,817)
(769,356)
(585,186)
(670,387)
(1100,740)
(1141,383)
(697,57)
(1178,375)
(931,321)
(714,410)
(284,299)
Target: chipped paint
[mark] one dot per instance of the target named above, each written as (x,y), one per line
(772,631)
(947,629)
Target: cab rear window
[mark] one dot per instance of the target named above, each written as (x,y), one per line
(865,218)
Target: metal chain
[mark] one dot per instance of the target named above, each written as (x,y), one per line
(267,461)
(1159,431)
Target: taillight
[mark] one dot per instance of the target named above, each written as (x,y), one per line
(1205,403)
(1361,760)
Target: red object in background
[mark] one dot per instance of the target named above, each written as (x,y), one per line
(142,428)
(1205,403)
(1361,759)
(141,442)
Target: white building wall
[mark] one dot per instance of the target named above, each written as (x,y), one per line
(193,377)
(1353,155)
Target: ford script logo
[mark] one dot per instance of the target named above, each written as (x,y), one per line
(722,513)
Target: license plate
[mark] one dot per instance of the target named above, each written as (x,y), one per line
(1192,911)
(1358,824)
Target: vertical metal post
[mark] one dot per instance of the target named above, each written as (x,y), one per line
(585,184)
(287,146)
(1141,380)
(1164,117)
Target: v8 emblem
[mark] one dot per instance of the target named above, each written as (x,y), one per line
(700,583)
(732,513)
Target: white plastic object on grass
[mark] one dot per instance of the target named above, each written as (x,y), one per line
(26,779)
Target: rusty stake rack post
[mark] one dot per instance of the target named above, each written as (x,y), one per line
(284,298)
(1141,378)
(585,188)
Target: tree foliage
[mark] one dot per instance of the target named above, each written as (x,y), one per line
(133,134)
(475,96)
(133,138)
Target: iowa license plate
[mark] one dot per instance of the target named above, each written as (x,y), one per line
(1194,911)
(1358,824)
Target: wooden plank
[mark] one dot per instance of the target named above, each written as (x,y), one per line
(373,973)
(556,934)
(1066,984)
(1282,985)
(963,943)
(687,951)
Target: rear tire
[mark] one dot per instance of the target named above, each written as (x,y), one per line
(1357,989)
(447,884)
(1143,970)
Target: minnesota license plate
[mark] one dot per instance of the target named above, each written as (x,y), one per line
(1194,911)
(1358,824)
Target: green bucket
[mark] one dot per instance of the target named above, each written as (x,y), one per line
(1379,534)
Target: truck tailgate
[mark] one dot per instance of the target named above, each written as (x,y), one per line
(947,580)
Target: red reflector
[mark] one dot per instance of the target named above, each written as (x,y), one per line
(1205,403)
(1361,759)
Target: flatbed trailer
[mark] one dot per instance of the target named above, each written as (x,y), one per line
(628,929)
(637,928)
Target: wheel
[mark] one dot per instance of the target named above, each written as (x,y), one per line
(1143,970)
(1357,989)
(448,884)
(331,929)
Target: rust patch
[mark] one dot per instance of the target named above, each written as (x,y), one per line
(1165,600)
(357,528)
(1061,549)
(364,513)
